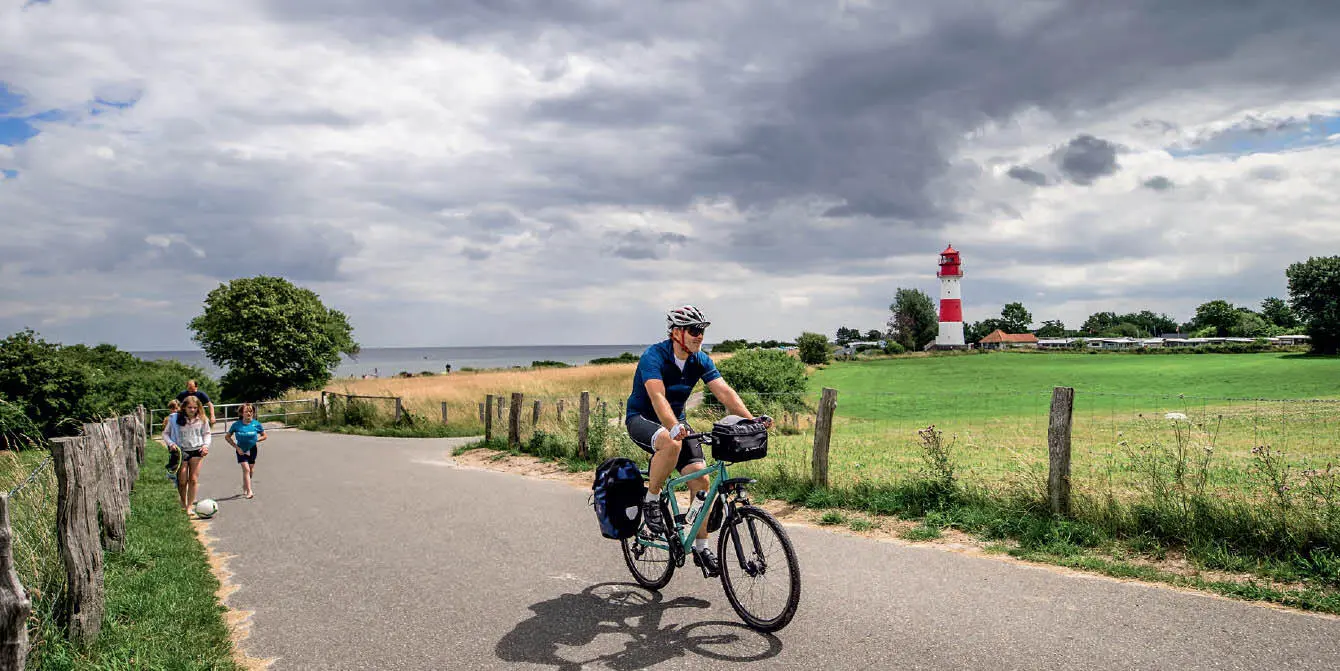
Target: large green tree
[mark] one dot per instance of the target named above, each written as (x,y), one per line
(914,321)
(846,335)
(1099,323)
(1015,318)
(1052,328)
(1278,312)
(271,336)
(814,348)
(1219,315)
(1314,292)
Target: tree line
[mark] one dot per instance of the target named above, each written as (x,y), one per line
(1313,308)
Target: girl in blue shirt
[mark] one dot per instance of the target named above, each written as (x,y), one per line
(245,436)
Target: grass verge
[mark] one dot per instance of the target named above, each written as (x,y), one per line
(161,608)
(1018,524)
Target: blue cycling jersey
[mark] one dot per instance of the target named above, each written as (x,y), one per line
(658,363)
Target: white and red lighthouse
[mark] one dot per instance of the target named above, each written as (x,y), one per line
(951,301)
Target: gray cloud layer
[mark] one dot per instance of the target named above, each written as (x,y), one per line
(835,132)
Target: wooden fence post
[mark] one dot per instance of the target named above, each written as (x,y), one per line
(823,430)
(126,426)
(514,420)
(77,537)
(501,402)
(141,434)
(535,414)
(481,413)
(109,476)
(15,607)
(560,409)
(583,421)
(399,408)
(488,417)
(444,412)
(1058,449)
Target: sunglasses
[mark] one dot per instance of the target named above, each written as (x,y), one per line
(696,330)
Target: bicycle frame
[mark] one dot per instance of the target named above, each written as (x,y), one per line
(685,535)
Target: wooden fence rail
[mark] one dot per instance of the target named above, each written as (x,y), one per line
(95,472)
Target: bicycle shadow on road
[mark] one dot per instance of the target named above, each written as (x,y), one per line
(618,626)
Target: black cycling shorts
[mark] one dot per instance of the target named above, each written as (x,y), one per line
(643,432)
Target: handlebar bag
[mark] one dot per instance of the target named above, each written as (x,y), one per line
(744,440)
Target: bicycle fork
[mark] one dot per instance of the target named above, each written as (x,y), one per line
(752,566)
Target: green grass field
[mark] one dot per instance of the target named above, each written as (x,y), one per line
(994,409)
(1009,383)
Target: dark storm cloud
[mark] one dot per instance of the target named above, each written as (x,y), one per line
(1159,183)
(610,107)
(841,112)
(635,245)
(1086,158)
(1028,175)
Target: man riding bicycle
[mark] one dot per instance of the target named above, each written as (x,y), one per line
(666,375)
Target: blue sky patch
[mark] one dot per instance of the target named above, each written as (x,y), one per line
(9,174)
(17,128)
(1260,138)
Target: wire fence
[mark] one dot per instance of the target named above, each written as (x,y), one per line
(33,540)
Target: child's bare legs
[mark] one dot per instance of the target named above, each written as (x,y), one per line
(193,479)
(183,475)
(246,479)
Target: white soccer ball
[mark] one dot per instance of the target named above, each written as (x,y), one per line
(206,508)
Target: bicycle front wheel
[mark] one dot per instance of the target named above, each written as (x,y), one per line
(759,570)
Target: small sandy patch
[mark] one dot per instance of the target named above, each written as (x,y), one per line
(239,621)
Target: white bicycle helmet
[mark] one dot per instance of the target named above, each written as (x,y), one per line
(685,315)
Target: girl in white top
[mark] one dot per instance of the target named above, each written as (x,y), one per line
(188,431)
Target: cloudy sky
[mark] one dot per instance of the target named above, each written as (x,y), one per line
(562,171)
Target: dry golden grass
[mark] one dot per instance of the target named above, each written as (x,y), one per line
(464,391)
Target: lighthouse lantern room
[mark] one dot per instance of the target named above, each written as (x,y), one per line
(951,301)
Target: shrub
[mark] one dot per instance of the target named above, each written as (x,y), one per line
(894,347)
(56,388)
(813,348)
(728,346)
(764,379)
(626,357)
(548,364)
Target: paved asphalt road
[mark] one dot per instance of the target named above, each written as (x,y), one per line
(375,553)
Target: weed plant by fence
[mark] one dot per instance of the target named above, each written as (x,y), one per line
(60,510)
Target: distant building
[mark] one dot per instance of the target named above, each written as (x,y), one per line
(999,339)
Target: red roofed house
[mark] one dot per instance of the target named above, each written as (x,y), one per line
(999,339)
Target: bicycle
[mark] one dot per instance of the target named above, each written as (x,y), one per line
(741,559)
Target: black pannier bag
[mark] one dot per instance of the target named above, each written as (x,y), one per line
(742,440)
(617,495)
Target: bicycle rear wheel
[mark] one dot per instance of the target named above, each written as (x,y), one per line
(652,567)
(759,570)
